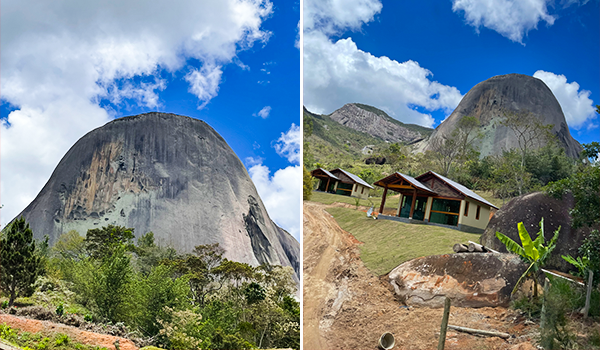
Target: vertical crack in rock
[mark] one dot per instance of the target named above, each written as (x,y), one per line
(260,243)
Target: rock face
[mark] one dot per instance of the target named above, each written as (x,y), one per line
(489,100)
(376,123)
(530,209)
(468,279)
(172,175)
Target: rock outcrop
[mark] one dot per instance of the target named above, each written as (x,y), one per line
(489,100)
(468,279)
(169,174)
(530,209)
(377,123)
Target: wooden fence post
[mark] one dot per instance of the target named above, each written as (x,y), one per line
(588,295)
(442,340)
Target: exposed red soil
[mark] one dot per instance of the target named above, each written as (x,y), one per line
(78,335)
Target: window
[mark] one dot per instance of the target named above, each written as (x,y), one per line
(362,190)
(477,213)
(466,208)
(445,211)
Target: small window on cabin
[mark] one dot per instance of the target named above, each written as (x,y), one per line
(467,209)
(477,213)
(362,190)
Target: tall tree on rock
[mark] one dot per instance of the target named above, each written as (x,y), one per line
(20,265)
(530,134)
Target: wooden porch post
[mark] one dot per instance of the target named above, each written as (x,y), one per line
(412,205)
(327,187)
(383,199)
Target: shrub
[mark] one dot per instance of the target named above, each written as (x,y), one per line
(62,339)
(60,310)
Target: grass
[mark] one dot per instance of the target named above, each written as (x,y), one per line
(329,198)
(387,243)
(488,196)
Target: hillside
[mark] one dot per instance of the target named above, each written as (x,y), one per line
(377,123)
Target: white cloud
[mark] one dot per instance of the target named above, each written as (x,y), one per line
(204,83)
(281,194)
(288,144)
(510,18)
(60,58)
(264,112)
(576,105)
(336,73)
(329,16)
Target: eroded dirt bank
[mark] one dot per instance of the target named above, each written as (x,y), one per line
(81,336)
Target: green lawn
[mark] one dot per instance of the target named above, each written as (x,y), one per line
(328,198)
(387,243)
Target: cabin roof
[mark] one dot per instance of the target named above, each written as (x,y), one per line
(462,189)
(354,178)
(326,173)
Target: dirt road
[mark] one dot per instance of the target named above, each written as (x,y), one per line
(346,307)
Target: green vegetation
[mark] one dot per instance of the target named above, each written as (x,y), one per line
(41,341)
(387,244)
(175,301)
(535,252)
(22,263)
(307,184)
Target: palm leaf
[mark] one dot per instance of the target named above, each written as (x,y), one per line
(511,245)
(530,252)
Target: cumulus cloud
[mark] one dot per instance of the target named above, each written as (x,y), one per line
(61,58)
(264,112)
(329,16)
(281,191)
(336,73)
(204,83)
(576,104)
(288,144)
(510,18)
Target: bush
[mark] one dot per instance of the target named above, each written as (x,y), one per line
(60,310)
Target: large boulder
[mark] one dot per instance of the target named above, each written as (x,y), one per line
(468,279)
(530,209)
(169,174)
(489,100)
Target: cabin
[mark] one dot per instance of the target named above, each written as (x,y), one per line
(342,182)
(433,199)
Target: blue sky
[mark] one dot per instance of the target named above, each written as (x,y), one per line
(416,59)
(68,67)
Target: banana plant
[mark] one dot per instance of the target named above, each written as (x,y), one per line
(534,252)
(582,264)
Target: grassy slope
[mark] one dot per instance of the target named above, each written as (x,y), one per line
(330,138)
(387,244)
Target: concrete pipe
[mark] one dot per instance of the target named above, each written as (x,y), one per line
(387,341)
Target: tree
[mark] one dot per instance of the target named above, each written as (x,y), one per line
(306,184)
(585,187)
(530,134)
(20,263)
(100,242)
(457,147)
(149,255)
(534,252)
